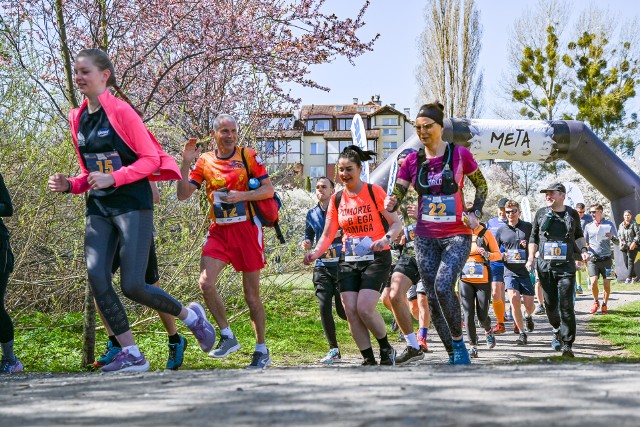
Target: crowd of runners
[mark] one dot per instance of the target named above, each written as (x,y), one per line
(437,262)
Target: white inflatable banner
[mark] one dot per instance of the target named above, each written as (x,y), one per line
(526,140)
(574,195)
(525,207)
(359,136)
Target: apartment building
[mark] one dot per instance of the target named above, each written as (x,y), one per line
(311,143)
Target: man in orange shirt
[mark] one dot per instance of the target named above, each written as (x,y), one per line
(234,237)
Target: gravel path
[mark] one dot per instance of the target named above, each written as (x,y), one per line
(490,391)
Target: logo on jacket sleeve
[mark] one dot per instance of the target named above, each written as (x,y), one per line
(81,139)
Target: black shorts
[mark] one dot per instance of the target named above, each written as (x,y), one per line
(600,267)
(407,265)
(152,275)
(325,280)
(373,275)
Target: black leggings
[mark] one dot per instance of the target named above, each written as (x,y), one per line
(440,262)
(131,234)
(475,299)
(325,280)
(6,267)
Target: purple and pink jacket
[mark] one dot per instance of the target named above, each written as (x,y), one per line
(152,163)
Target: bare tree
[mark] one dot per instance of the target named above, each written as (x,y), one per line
(450,49)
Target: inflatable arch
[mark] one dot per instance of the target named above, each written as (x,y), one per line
(542,141)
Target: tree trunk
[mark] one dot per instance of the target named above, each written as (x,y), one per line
(89,336)
(66,56)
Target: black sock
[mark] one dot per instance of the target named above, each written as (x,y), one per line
(383,342)
(114,341)
(367,354)
(174,339)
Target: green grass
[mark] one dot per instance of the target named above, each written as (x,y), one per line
(48,343)
(621,327)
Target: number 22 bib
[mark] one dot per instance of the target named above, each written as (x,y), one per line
(438,208)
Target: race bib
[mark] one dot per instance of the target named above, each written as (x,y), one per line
(473,270)
(227,213)
(555,251)
(358,249)
(610,274)
(103,162)
(410,235)
(438,208)
(516,256)
(332,255)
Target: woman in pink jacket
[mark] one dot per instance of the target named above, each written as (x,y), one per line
(118,157)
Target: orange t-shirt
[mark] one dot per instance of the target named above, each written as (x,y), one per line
(359,216)
(227,173)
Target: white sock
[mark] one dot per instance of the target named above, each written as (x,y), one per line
(262,348)
(191,317)
(412,340)
(132,350)
(227,332)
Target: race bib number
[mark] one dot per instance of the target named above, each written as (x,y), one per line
(332,255)
(358,249)
(227,213)
(410,235)
(555,251)
(473,270)
(438,208)
(103,162)
(610,274)
(516,256)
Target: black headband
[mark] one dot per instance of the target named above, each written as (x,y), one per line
(432,111)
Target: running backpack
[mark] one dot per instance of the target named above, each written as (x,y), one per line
(385,223)
(266,209)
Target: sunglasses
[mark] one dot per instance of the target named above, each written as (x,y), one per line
(424,128)
(511,211)
(592,212)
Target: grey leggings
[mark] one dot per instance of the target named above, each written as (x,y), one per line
(131,232)
(440,262)
(475,299)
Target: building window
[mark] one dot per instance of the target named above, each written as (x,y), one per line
(344,124)
(389,131)
(339,107)
(388,148)
(361,109)
(317,148)
(390,122)
(334,148)
(316,171)
(371,145)
(282,152)
(281,123)
(318,125)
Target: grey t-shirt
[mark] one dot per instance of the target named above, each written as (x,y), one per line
(594,233)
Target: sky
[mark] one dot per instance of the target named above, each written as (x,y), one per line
(389,70)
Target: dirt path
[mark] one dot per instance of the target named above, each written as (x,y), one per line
(429,393)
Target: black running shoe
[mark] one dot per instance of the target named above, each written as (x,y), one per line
(409,354)
(522,339)
(387,356)
(529,325)
(567,351)
(369,362)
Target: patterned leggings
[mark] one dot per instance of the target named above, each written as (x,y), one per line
(440,262)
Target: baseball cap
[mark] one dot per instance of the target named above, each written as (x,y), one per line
(404,153)
(556,186)
(502,203)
